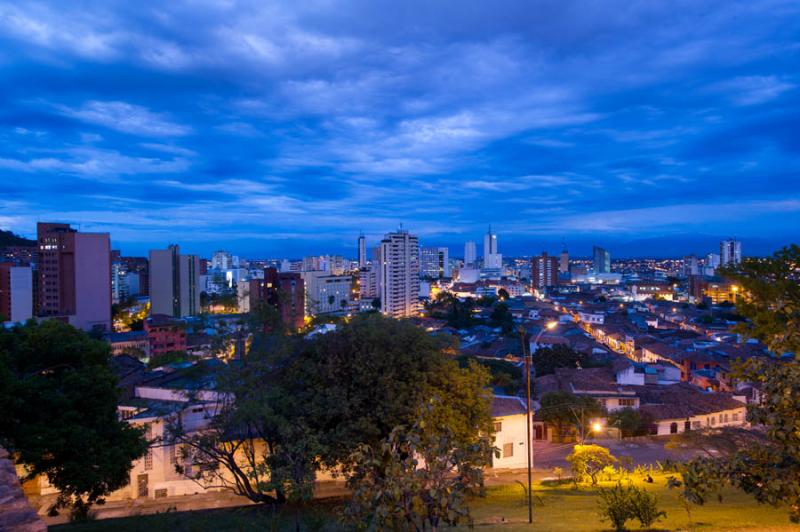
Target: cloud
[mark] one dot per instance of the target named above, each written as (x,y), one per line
(125,117)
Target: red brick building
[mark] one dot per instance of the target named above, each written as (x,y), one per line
(165,334)
(283,290)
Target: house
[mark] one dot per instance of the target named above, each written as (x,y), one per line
(165,334)
(598,383)
(680,407)
(510,428)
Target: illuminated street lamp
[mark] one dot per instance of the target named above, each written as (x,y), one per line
(597,427)
(549,326)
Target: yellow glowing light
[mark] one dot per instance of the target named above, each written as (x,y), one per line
(551,325)
(597,427)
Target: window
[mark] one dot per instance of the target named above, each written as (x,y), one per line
(498,426)
(673,428)
(696,424)
(627,402)
(713,420)
(508,450)
(735,416)
(173,454)
(160,493)
(148,460)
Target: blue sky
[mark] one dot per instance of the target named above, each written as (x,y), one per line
(282,129)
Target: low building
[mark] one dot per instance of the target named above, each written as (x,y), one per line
(510,427)
(165,334)
(130,342)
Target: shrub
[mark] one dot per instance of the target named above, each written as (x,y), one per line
(588,461)
(622,503)
(615,506)
(644,506)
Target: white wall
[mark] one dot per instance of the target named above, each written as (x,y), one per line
(513,432)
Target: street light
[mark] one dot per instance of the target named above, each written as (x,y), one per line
(597,427)
(549,326)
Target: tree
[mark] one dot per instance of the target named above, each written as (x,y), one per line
(417,478)
(343,372)
(771,299)
(547,359)
(630,422)
(568,413)
(620,503)
(58,395)
(588,461)
(503,294)
(769,469)
(501,317)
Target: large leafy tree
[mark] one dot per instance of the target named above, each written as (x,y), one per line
(371,375)
(58,399)
(768,468)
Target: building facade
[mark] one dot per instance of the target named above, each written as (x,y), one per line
(470,254)
(544,271)
(74,276)
(730,252)
(283,290)
(434,263)
(174,283)
(399,274)
(601,260)
(16,292)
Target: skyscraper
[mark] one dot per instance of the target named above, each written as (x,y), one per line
(730,252)
(435,263)
(491,258)
(174,283)
(602,260)
(74,276)
(399,274)
(544,271)
(470,254)
(362,252)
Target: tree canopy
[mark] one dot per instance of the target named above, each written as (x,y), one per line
(59,398)
(547,359)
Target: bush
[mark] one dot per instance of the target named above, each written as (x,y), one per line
(622,503)
(615,506)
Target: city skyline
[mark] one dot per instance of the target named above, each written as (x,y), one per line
(655,129)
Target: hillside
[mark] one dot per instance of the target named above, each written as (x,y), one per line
(7,238)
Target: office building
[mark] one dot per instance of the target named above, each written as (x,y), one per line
(710,264)
(399,274)
(690,266)
(602,260)
(470,254)
(174,283)
(74,277)
(222,260)
(544,271)
(140,267)
(730,252)
(492,260)
(16,292)
(434,263)
(327,294)
(362,252)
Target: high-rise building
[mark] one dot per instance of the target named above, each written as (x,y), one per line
(141,267)
(120,291)
(492,260)
(222,260)
(16,292)
(470,254)
(434,263)
(544,271)
(283,290)
(710,264)
(174,283)
(690,266)
(399,274)
(74,276)
(368,283)
(563,261)
(730,252)
(362,252)
(602,260)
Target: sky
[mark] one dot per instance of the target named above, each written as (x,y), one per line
(285,129)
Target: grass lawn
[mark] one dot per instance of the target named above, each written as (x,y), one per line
(557,507)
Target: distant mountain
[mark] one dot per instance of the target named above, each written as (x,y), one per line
(7,238)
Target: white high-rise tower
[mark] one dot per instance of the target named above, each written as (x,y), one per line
(730,252)
(491,258)
(362,252)
(399,274)
(469,254)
